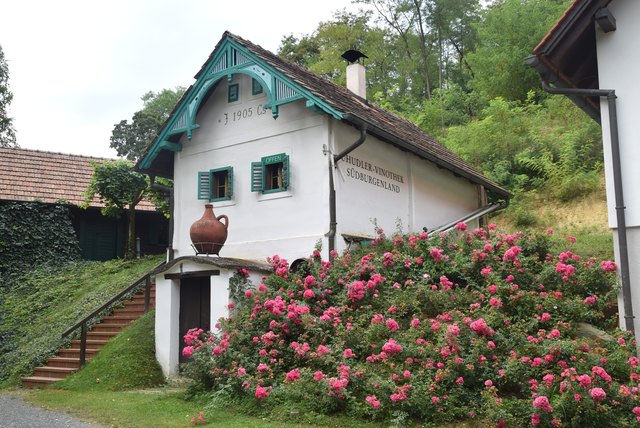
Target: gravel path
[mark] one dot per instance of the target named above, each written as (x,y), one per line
(15,413)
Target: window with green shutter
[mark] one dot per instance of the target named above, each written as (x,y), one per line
(216,184)
(271,174)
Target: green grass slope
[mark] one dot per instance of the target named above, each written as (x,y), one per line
(37,307)
(126,362)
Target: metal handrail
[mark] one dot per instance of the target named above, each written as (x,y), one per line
(82,324)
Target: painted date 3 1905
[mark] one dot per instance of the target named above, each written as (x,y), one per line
(244,113)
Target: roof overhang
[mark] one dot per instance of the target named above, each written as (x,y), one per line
(227,59)
(566,57)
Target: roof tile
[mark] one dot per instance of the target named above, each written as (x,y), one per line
(32,175)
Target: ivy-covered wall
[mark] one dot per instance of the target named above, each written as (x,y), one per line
(33,233)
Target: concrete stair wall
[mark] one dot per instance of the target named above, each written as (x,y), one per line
(67,360)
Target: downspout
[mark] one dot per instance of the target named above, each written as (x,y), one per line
(333,223)
(617,185)
(169,192)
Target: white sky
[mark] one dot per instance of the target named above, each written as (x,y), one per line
(76,68)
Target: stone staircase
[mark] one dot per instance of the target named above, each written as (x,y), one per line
(68,360)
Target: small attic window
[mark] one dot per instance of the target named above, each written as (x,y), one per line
(256,87)
(234,93)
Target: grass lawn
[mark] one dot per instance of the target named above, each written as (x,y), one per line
(160,408)
(164,407)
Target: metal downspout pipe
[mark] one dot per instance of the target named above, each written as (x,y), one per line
(617,185)
(333,223)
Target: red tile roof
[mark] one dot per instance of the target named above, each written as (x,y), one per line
(32,175)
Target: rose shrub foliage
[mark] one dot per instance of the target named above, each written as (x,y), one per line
(461,325)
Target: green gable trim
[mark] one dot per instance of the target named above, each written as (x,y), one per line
(231,58)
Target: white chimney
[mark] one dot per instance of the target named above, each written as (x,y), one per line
(356,79)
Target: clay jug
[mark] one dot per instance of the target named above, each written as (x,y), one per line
(208,234)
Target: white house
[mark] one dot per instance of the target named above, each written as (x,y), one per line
(295,162)
(591,56)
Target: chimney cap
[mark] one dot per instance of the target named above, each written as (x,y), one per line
(353,56)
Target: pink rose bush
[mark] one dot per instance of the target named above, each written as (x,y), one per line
(438,329)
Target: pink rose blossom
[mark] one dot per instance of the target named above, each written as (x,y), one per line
(392,324)
(597,394)
(542,403)
(261,392)
(373,401)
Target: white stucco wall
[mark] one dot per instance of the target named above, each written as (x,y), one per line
(396,188)
(260,225)
(167,324)
(618,63)
(167,321)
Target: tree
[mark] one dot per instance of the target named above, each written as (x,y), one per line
(130,139)
(120,188)
(507,33)
(7,133)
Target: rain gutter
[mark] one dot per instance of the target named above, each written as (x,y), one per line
(617,185)
(333,222)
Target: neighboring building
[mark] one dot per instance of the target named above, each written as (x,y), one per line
(294,161)
(591,55)
(57,178)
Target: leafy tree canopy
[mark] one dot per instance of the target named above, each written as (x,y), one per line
(508,32)
(130,139)
(7,133)
(120,188)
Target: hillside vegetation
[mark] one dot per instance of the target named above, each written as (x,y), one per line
(41,304)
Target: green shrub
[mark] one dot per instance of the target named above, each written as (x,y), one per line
(463,325)
(34,234)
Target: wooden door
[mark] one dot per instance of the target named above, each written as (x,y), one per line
(195,307)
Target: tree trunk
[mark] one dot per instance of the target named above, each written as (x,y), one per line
(130,252)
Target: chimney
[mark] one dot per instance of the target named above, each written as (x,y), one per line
(356,80)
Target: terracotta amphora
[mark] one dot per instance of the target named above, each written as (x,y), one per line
(209,234)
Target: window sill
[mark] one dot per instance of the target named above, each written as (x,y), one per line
(274,195)
(224,203)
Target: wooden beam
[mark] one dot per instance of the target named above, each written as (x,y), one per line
(195,274)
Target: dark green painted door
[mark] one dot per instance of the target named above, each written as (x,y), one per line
(98,237)
(195,307)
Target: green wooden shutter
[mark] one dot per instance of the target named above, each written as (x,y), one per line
(256,176)
(204,185)
(285,172)
(230,182)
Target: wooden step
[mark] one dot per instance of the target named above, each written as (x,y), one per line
(75,353)
(53,372)
(135,305)
(73,363)
(102,335)
(91,343)
(38,382)
(133,311)
(122,320)
(105,326)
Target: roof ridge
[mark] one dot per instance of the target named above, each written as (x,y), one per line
(47,152)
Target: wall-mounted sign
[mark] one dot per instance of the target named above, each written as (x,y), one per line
(374,175)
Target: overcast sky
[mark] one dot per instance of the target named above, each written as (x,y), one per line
(78,67)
